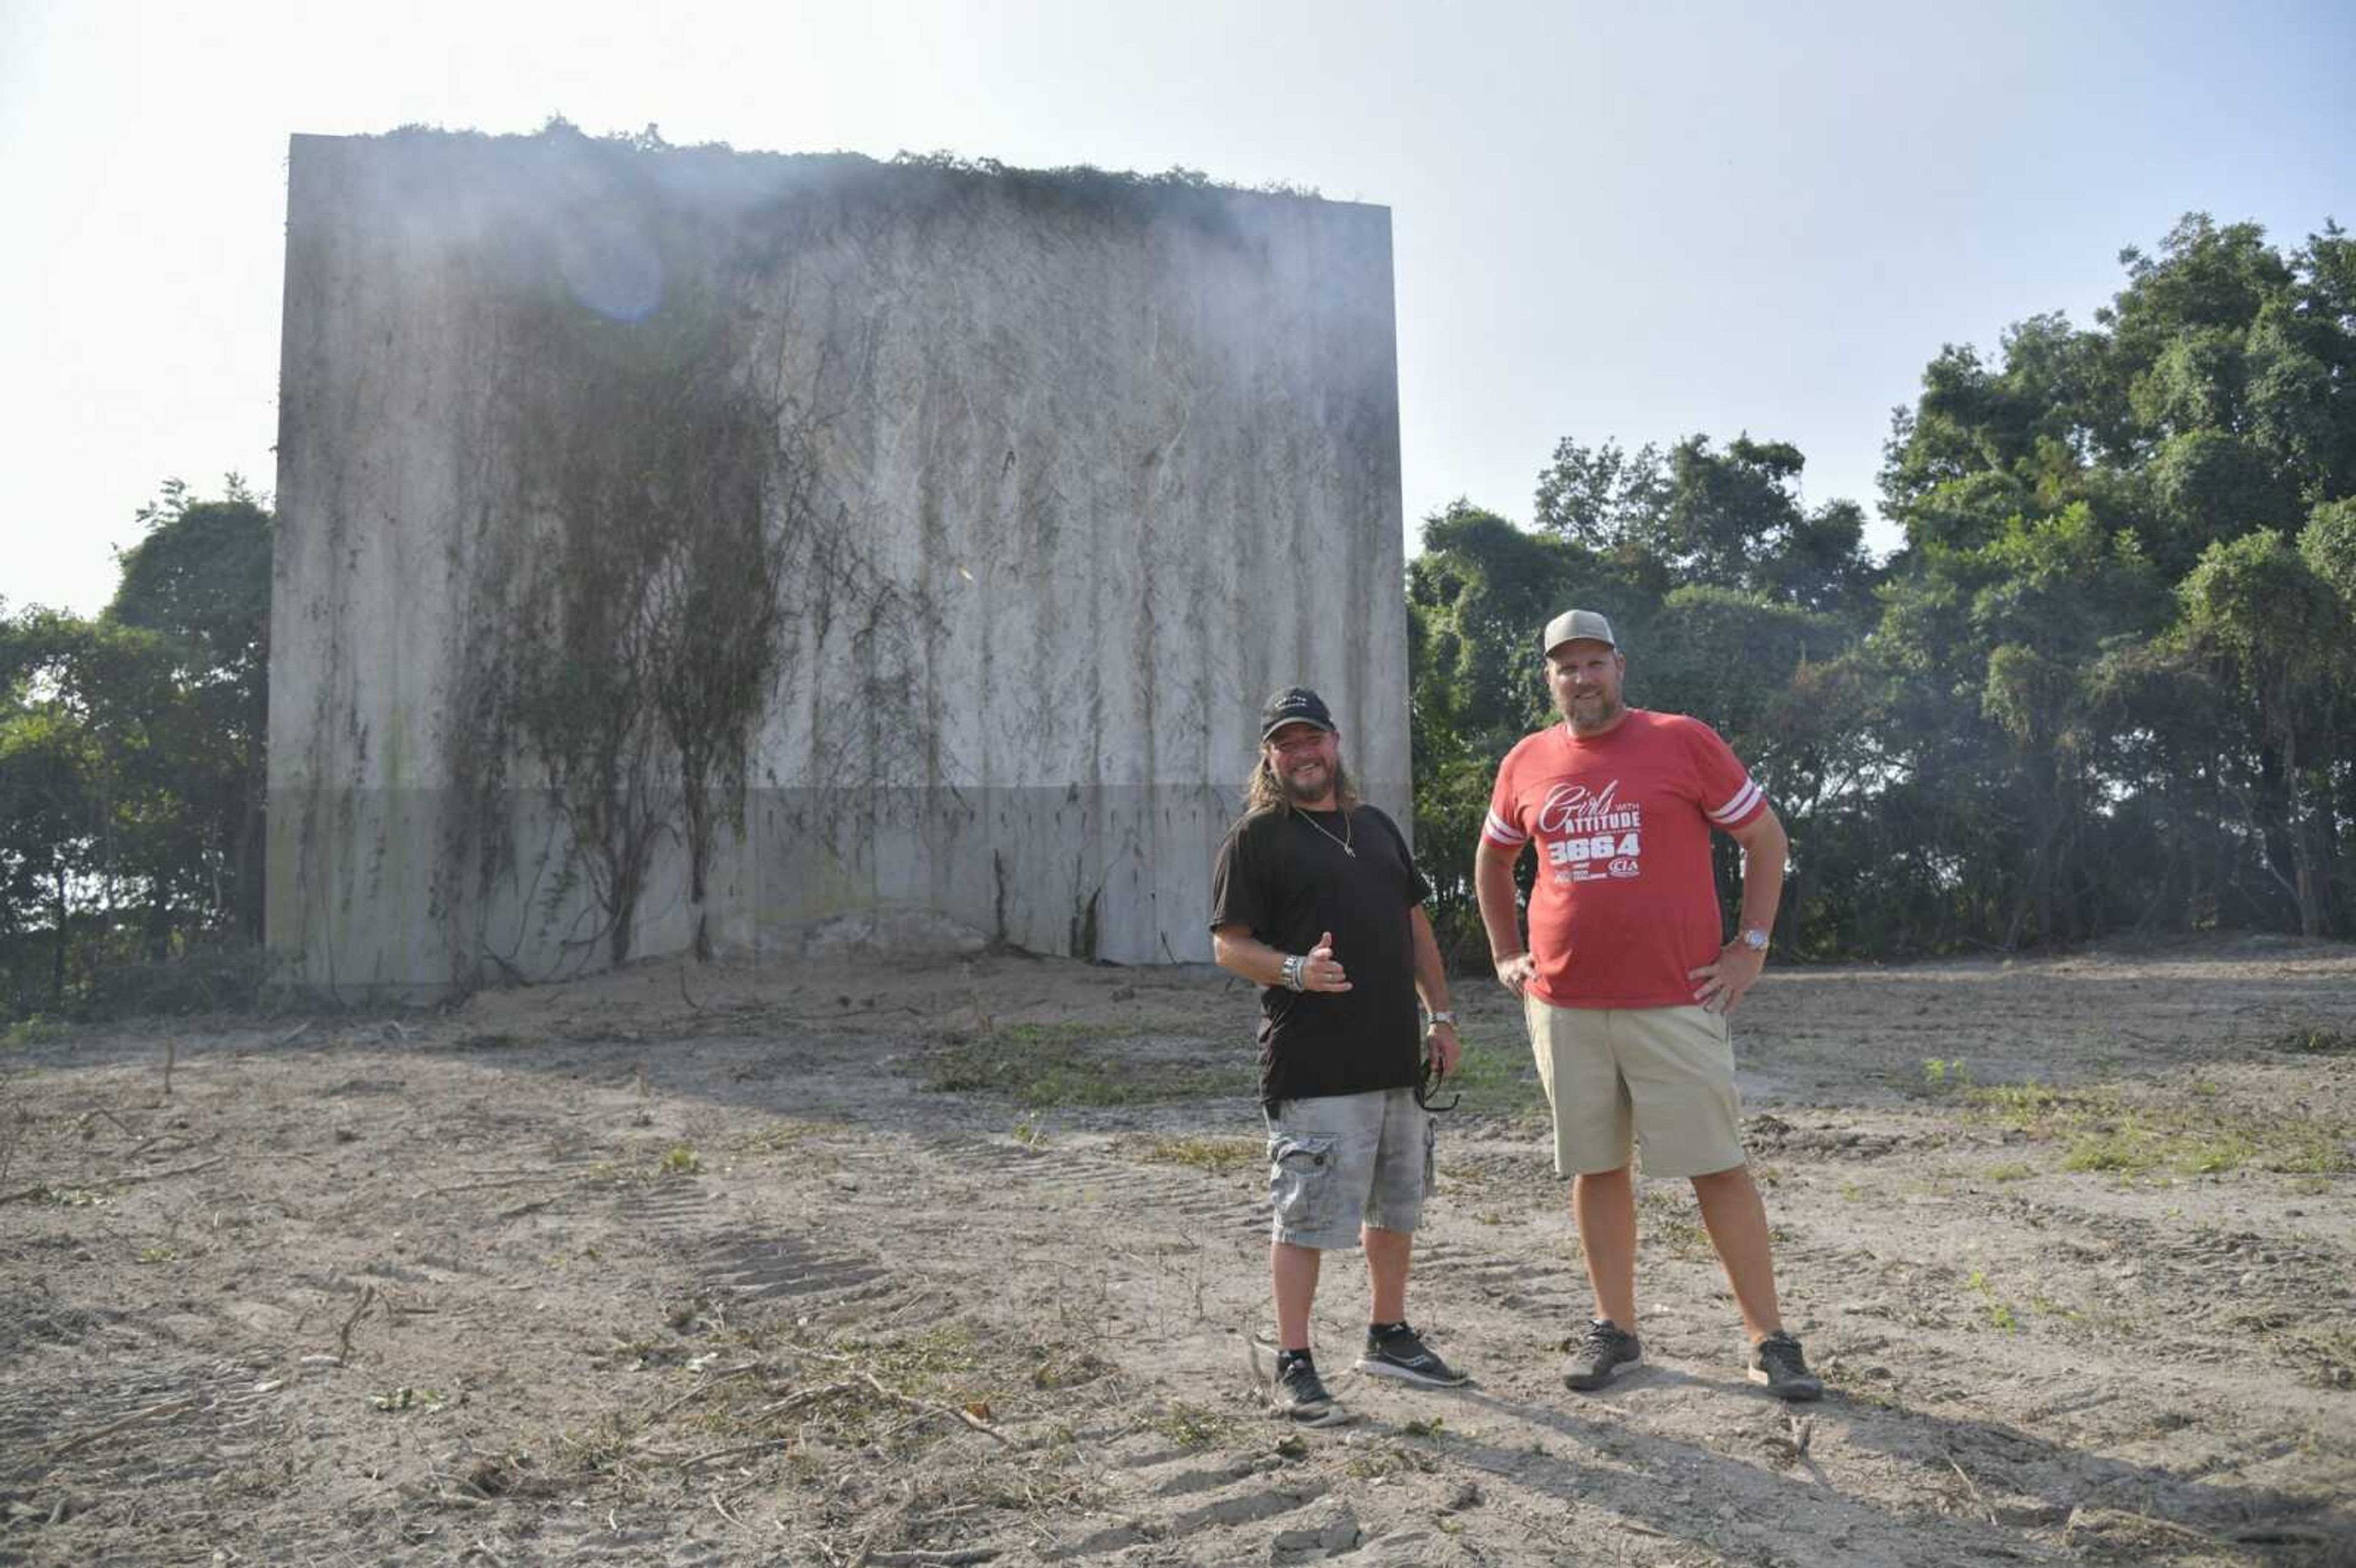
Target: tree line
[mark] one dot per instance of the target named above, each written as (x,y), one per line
(2107,684)
(131,773)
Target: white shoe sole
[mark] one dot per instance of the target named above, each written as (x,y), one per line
(1375,1369)
(1797,1395)
(1629,1365)
(1332,1415)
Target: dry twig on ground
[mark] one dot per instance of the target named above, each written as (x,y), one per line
(344,1334)
(153,1412)
(1971,1488)
(177,1170)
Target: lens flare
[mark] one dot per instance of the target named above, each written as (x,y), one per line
(610,267)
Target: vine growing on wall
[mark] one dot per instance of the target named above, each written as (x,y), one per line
(672,489)
(661,564)
(630,632)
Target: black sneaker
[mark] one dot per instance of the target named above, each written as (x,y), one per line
(1777,1362)
(1299,1393)
(1396,1350)
(1600,1356)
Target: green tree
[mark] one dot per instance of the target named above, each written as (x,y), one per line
(199,579)
(2087,714)
(2278,633)
(1477,596)
(1731,520)
(130,755)
(1727,590)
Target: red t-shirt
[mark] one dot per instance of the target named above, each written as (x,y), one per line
(1624,904)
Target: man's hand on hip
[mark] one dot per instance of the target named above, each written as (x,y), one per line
(1516,970)
(1719,987)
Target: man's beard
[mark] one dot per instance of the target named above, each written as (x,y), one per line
(1603,717)
(1300,793)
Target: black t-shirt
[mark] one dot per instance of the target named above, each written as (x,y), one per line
(1288,884)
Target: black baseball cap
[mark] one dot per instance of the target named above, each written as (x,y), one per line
(1293,705)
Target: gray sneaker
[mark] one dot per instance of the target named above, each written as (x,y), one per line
(1777,1362)
(1599,1355)
(1300,1396)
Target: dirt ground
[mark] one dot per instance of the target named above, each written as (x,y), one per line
(952,1262)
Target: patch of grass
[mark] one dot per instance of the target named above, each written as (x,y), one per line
(1030,1132)
(2332,1353)
(776,1137)
(2103,1130)
(1195,1426)
(400,1399)
(893,1396)
(1944,1075)
(2023,1107)
(2317,1040)
(1045,1065)
(2009,1171)
(1497,1081)
(2000,1316)
(642,1165)
(157,1254)
(2228,1149)
(1214,1157)
(930,1364)
(601,1448)
(1669,1223)
(1684,1237)
(2125,1148)
(2139,1143)
(1467,1175)
(1382,1461)
(38,1030)
(841,1427)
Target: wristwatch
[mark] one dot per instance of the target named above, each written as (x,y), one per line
(1754,939)
(1443,1017)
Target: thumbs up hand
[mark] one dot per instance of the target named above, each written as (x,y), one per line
(1323,972)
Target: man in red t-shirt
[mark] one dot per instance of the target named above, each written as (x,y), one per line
(1625,984)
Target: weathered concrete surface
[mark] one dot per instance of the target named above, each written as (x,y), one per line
(1133,451)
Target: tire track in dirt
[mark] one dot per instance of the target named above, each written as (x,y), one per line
(141,1427)
(545,1202)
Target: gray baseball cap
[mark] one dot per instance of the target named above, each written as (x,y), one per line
(1578,625)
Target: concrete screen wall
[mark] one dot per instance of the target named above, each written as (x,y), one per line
(1112,459)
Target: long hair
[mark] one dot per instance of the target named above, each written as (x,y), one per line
(1264,792)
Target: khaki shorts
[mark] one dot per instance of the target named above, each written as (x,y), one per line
(1339,1161)
(1618,1075)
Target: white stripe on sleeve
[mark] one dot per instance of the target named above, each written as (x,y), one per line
(1502,831)
(1732,811)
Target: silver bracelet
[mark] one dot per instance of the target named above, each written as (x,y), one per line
(1293,964)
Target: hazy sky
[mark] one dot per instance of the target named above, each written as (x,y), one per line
(1630,220)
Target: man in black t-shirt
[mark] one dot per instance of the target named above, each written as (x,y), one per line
(1317,900)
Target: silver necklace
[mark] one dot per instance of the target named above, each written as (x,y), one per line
(1343,841)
